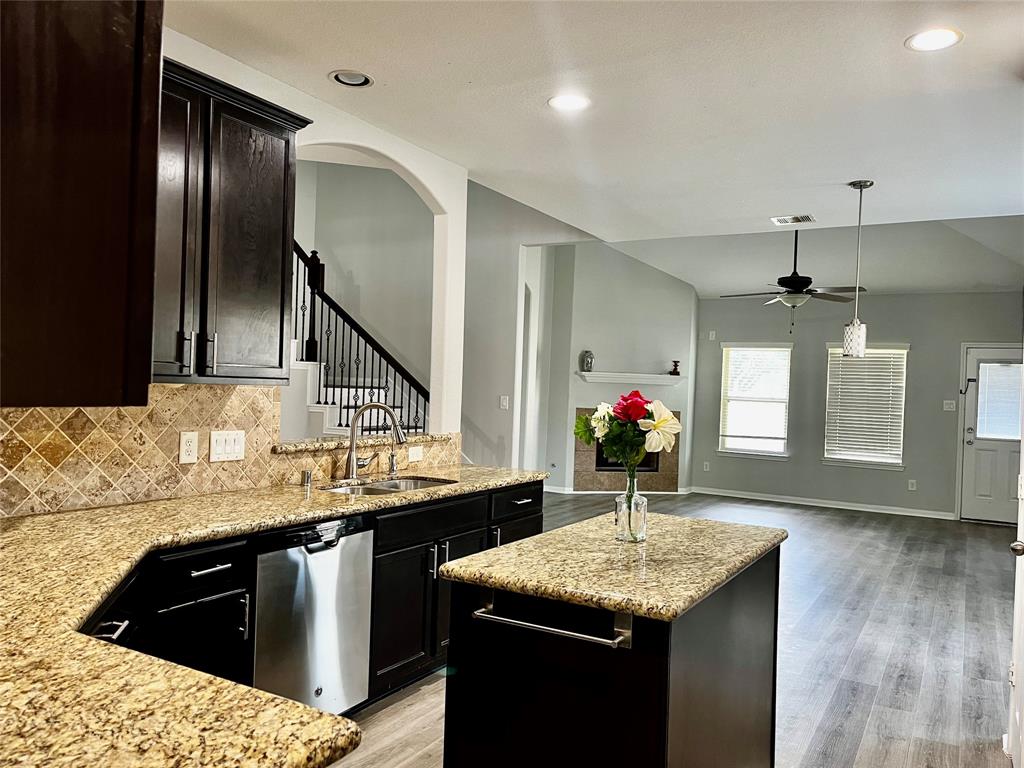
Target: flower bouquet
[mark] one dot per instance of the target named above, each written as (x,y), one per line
(627,432)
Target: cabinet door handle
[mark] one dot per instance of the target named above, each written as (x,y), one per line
(208,571)
(497,536)
(245,624)
(214,342)
(521,501)
(121,627)
(193,342)
(433,571)
(446,546)
(623,628)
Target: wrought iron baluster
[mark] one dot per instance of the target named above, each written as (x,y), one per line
(303,308)
(334,359)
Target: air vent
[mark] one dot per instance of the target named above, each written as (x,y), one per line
(780,221)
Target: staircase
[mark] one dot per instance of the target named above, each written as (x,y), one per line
(346,367)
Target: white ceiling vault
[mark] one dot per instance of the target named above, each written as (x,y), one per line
(965,255)
(707,117)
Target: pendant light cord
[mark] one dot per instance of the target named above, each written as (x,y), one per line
(856,291)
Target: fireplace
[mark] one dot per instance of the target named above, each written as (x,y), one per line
(603,464)
(593,472)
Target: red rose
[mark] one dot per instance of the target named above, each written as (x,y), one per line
(631,407)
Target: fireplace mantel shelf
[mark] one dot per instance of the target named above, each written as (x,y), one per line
(625,377)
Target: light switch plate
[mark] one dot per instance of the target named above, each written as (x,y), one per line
(711,335)
(949,405)
(188,447)
(911,485)
(227,445)
(707,466)
(415,453)
(503,402)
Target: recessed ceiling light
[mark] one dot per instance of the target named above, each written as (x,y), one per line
(351,78)
(569,102)
(934,39)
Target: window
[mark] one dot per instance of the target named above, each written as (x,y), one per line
(864,405)
(755,399)
(999,401)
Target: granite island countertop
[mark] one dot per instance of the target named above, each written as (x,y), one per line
(683,561)
(70,699)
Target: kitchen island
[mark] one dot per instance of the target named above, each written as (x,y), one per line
(571,648)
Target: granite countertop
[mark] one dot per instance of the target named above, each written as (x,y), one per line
(683,561)
(364,441)
(69,699)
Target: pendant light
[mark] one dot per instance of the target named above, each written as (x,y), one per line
(855,333)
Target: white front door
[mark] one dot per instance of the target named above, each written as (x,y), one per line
(991,436)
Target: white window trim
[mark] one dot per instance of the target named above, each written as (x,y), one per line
(759,344)
(769,455)
(866,463)
(755,454)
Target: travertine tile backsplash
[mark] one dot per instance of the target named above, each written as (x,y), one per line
(54,459)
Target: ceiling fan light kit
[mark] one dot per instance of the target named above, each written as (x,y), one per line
(855,333)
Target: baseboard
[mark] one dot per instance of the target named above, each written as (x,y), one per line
(832,503)
(572,492)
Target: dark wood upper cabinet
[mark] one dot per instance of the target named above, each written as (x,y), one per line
(178,232)
(80,110)
(225,218)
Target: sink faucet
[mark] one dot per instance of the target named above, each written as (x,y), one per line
(397,437)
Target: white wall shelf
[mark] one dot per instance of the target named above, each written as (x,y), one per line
(616,377)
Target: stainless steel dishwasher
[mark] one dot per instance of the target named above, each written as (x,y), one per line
(313,588)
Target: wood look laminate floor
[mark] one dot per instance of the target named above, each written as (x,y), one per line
(894,641)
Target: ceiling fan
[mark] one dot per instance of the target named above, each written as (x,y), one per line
(796,288)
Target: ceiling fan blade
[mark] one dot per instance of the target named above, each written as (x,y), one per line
(741,295)
(772,301)
(831,297)
(840,289)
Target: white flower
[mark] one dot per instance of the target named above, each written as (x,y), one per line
(661,429)
(604,410)
(600,426)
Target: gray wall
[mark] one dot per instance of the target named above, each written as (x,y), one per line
(634,318)
(933,324)
(496,227)
(376,238)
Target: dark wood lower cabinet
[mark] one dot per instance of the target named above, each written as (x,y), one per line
(401,639)
(211,634)
(698,692)
(514,530)
(452,549)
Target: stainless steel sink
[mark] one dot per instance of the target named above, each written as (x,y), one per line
(361,490)
(409,483)
(382,487)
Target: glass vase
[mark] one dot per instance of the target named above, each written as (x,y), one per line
(630,512)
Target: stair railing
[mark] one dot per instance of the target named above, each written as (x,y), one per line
(354,366)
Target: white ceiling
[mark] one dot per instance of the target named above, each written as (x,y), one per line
(707,117)
(918,257)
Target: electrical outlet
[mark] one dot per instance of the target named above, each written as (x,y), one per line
(415,453)
(711,335)
(707,466)
(227,445)
(949,405)
(188,447)
(503,402)
(911,485)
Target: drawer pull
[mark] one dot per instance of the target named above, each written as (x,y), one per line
(121,627)
(623,628)
(521,501)
(213,569)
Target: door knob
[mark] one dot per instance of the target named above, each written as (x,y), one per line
(970,442)
(1017,548)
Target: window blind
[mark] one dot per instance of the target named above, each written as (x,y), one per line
(864,406)
(755,399)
